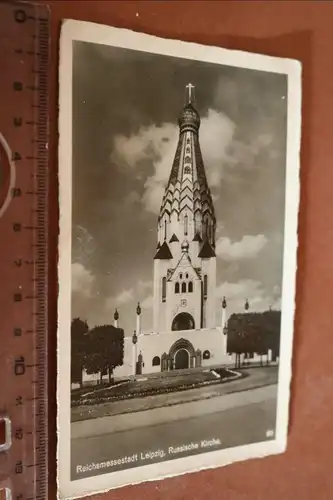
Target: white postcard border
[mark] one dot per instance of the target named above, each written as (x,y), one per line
(99,34)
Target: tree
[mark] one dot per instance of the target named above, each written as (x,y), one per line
(79,338)
(254,332)
(106,350)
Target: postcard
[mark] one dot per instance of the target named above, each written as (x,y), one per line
(179,195)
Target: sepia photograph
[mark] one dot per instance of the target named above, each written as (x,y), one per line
(179,191)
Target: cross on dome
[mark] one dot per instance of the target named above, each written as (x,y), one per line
(190,93)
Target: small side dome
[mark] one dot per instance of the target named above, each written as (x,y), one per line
(185,246)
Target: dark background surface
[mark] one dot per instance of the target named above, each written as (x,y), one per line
(295,29)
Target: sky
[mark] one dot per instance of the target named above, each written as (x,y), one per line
(126,105)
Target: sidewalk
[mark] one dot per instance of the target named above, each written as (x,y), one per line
(123,422)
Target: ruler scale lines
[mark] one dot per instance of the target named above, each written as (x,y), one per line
(24,92)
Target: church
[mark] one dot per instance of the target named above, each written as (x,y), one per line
(185,334)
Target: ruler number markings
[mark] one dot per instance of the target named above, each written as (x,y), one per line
(31,361)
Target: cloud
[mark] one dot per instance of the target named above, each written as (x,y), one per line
(128,298)
(147,303)
(143,286)
(150,143)
(132,198)
(277,304)
(216,135)
(259,298)
(241,289)
(157,144)
(83,245)
(123,297)
(222,151)
(82,279)
(247,248)
(153,195)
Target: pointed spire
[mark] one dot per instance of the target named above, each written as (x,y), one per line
(138,309)
(173,238)
(197,237)
(206,251)
(116,315)
(187,191)
(247,305)
(163,253)
(224,303)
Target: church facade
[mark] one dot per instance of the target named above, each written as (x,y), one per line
(185,334)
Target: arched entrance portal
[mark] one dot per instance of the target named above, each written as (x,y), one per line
(182,356)
(183,321)
(182,360)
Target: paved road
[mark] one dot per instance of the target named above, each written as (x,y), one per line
(233,427)
(258,377)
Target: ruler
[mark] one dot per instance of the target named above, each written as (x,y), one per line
(24,59)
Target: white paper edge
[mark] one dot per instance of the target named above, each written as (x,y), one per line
(100,34)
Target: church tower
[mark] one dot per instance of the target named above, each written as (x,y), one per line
(185,261)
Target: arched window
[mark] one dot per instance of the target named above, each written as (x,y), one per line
(156,361)
(177,287)
(190,287)
(205,286)
(186,276)
(165,229)
(187,158)
(163,289)
(185,225)
(188,149)
(183,287)
(187,169)
(211,232)
(181,276)
(205,229)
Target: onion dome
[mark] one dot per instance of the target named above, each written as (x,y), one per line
(189,119)
(185,246)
